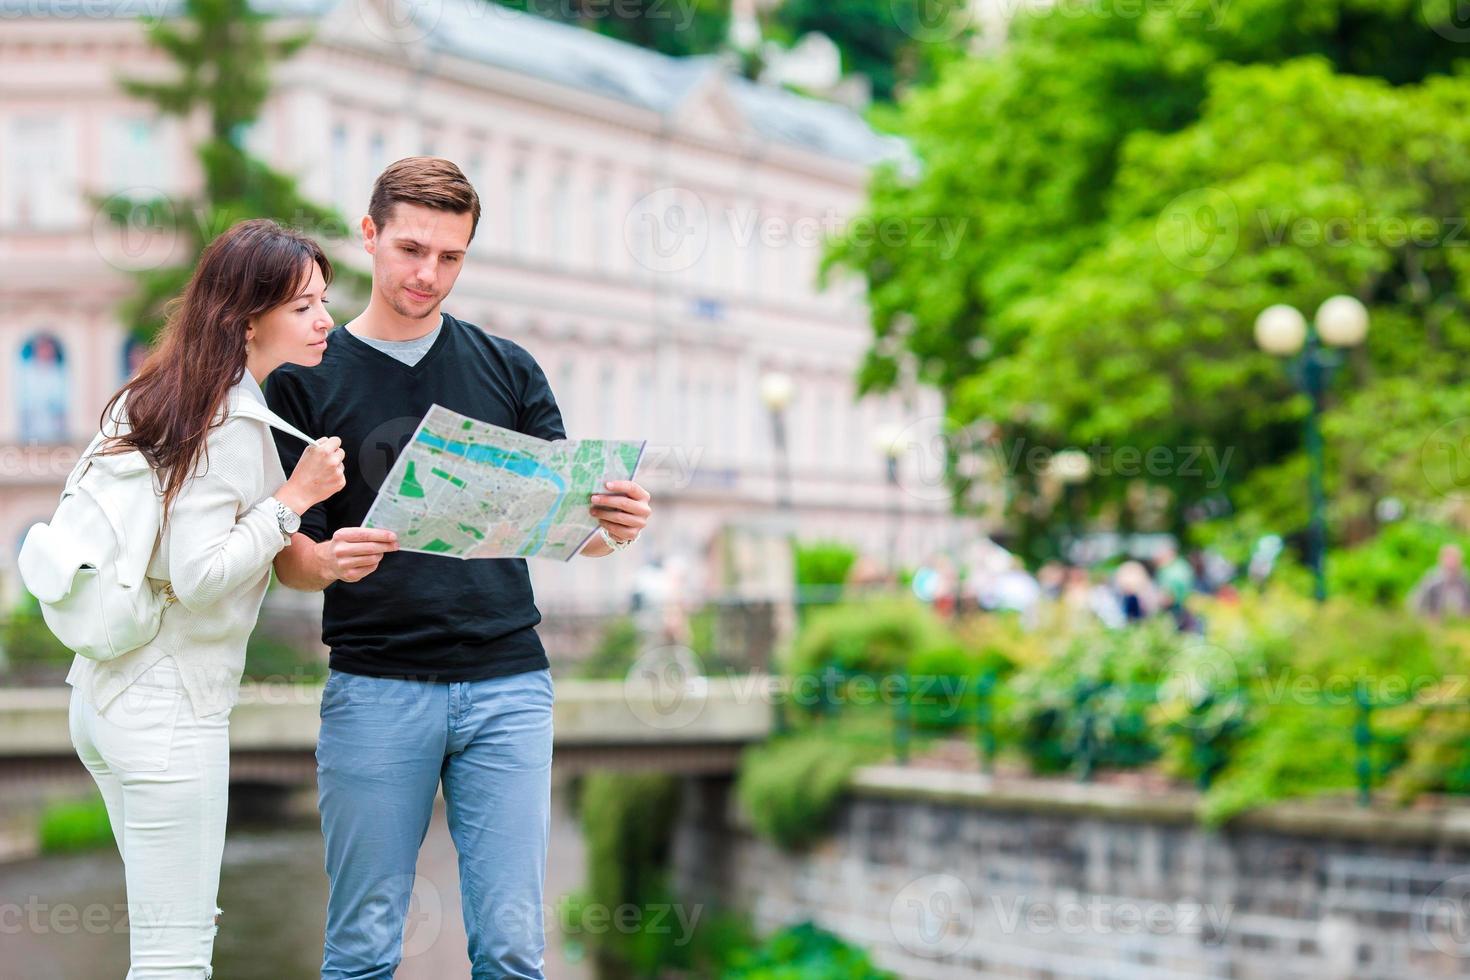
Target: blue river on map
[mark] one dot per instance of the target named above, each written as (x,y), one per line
(518,463)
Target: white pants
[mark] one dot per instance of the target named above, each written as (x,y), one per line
(164,774)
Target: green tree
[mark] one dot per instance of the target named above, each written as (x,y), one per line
(679,28)
(893,42)
(1130,193)
(224,51)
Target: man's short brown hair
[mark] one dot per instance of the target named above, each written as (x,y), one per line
(430,182)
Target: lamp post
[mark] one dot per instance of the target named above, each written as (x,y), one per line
(776,391)
(1281,330)
(1069,467)
(891,443)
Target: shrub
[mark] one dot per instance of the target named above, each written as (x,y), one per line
(268,658)
(821,569)
(876,638)
(615,652)
(1298,739)
(1089,706)
(790,786)
(26,641)
(1437,756)
(627,822)
(74,826)
(1385,569)
(804,952)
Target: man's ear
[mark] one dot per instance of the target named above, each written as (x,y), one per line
(369,235)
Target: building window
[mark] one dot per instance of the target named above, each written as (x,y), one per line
(648,404)
(730,422)
(133,161)
(475,171)
(40,388)
(377,154)
(599,233)
(520,215)
(39,176)
(607,402)
(560,211)
(341,192)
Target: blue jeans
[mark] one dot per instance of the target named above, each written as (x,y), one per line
(384,746)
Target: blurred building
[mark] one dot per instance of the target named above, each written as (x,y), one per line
(652,233)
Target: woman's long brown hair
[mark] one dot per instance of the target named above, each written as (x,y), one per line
(175,398)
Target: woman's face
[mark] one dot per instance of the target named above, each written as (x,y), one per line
(296,331)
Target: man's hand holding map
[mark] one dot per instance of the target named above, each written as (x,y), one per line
(469,489)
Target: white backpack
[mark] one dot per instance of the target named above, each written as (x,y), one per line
(88,567)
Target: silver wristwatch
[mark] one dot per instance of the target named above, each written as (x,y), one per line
(612,542)
(287,519)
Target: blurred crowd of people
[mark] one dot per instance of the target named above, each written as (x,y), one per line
(1134,590)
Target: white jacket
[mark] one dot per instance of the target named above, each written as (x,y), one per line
(217,550)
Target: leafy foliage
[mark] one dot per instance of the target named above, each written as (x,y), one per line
(876,637)
(1130,193)
(1088,706)
(790,785)
(223,51)
(627,822)
(27,644)
(75,826)
(1386,569)
(1299,739)
(615,653)
(684,28)
(895,43)
(804,952)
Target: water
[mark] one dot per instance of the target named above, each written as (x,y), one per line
(64,917)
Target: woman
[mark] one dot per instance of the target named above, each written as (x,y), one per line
(152,726)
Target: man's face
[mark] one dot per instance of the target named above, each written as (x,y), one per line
(417,255)
(1450,558)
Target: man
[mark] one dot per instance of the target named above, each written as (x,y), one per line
(1445,589)
(1176,582)
(436,669)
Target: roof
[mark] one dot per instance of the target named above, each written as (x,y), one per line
(564,54)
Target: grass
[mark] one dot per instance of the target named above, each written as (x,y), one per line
(74,826)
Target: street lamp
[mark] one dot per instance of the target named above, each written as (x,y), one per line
(776,391)
(1070,468)
(1281,330)
(891,441)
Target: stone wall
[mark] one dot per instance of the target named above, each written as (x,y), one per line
(947,876)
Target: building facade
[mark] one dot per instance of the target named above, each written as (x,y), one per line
(652,232)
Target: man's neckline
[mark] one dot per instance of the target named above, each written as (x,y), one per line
(443,319)
(371,350)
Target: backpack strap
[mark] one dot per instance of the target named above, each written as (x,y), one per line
(251,409)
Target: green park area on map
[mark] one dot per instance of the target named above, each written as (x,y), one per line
(469,489)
